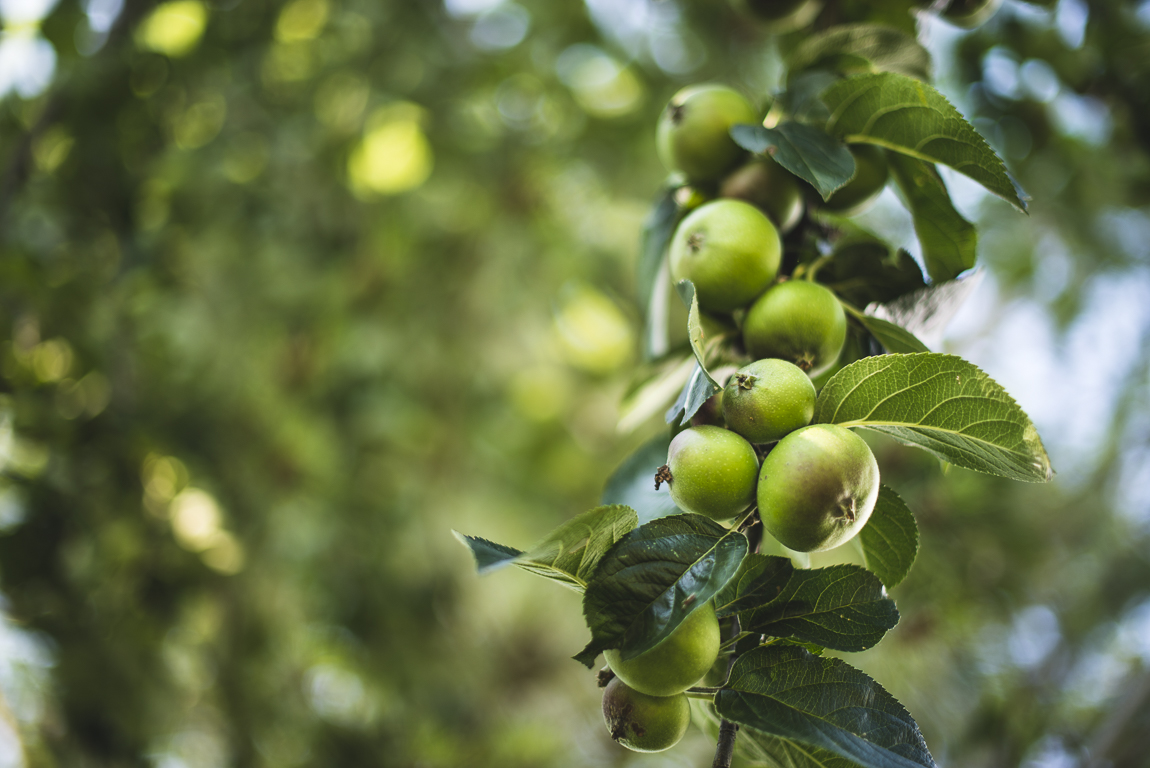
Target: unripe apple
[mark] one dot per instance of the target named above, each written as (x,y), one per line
(693,136)
(678,662)
(768,399)
(865,186)
(798,321)
(730,250)
(817,487)
(769,187)
(644,723)
(712,472)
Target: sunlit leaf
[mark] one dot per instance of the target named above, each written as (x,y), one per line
(568,555)
(940,403)
(911,117)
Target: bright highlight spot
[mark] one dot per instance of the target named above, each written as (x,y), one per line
(27,63)
(593,332)
(394,155)
(301,20)
(196,519)
(173,29)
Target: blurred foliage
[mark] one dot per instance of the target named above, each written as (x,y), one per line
(289,290)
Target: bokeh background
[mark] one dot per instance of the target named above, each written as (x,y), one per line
(288,291)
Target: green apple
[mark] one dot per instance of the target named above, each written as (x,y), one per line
(865,186)
(730,250)
(798,321)
(817,487)
(769,187)
(693,135)
(712,472)
(644,723)
(678,662)
(768,399)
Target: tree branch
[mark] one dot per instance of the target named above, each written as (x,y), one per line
(725,749)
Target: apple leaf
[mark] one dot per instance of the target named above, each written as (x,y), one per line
(700,386)
(804,150)
(894,338)
(655,577)
(890,538)
(568,555)
(949,242)
(940,403)
(633,483)
(844,607)
(851,720)
(851,49)
(658,228)
(864,269)
(911,117)
(761,578)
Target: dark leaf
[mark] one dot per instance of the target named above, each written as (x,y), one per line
(890,538)
(824,704)
(949,242)
(654,578)
(863,270)
(806,151)
(761,578)
(843,607)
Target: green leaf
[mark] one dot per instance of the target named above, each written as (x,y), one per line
(698,389)
(658,228)
(654,578)
(844,607)
(761,578)
(911,117)
(852,49)
(890,538)
(569,554)
(893,337)
(633,483)
(940,403)
(489,556)
(864,269)
(949,242)
(823,707)
(700,386)
(806,151)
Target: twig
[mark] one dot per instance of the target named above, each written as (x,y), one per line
(725,750)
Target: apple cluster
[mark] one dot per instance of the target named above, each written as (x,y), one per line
(815,485)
